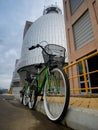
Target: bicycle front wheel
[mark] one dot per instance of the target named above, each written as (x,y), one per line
(56,95)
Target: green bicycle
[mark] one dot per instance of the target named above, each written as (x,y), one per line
(26,90)
(52,81)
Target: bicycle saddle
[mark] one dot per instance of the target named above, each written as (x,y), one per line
(38,66)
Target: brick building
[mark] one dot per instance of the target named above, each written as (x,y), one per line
(81,21)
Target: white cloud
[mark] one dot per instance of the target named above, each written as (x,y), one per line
(11,53)
(5,81)
(13,15)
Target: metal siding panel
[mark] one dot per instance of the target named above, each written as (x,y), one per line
(48,28)
(83,32)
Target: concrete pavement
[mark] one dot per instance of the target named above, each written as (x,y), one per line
(82,113)
(15,116)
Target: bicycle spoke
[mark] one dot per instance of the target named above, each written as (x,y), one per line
(56,97)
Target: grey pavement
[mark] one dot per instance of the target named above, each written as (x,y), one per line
(15,116)
(77,118)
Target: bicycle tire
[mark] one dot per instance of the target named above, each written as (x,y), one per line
(21,98)
(25,100)
(33,97)
(56,99)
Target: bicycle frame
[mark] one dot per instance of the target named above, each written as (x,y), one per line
(41,85)
(50,82)
(46,79)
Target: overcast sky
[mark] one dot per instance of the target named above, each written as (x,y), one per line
(13,15)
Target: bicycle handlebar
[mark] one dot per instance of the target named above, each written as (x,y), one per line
(36,46)
(33,47)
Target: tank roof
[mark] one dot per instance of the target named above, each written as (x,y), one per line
(52,9)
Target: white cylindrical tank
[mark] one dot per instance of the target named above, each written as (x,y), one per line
(49,27)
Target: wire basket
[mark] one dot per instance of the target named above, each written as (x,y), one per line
(56,54)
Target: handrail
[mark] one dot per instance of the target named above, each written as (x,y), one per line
(82,61)
(84,58)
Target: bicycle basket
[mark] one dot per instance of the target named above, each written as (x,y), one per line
(56,54)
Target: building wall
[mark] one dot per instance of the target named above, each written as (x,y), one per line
(70,19)
(50,28)
(15,78)
(73,17)
(27,26)
(47,29)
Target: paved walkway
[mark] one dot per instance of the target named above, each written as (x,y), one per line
(82,113)
(14,116)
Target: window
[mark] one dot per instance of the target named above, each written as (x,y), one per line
(74,4)
(81,78)
(82,30)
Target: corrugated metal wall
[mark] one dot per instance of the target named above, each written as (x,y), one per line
(74,4)
(82,30)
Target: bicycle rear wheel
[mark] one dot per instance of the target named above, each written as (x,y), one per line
(33,97)
(25,100)
(56,97)
(21,98)
(33,94)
